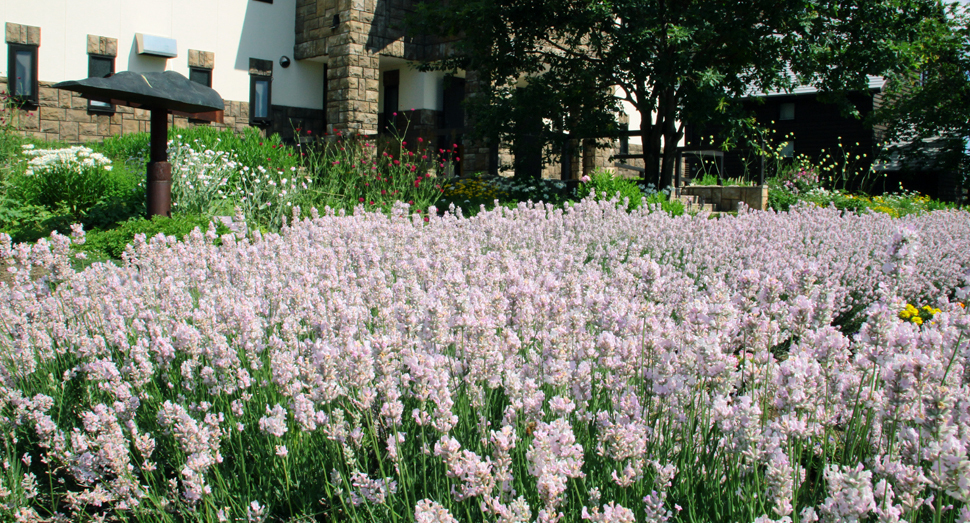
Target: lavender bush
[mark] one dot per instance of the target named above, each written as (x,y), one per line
(532,364)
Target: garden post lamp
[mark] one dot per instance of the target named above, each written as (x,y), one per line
(161,93)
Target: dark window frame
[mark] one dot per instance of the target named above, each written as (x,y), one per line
(205,70)
(265,1)
(253,80)
(92,59)
(30,100)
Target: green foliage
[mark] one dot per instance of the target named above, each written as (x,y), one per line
(113,242)
(672,207)
(250,147)
(68,181)
(10,140)
(925,108)
(127,148)
(607,186)
(782,197)
(674,62)
(473,193)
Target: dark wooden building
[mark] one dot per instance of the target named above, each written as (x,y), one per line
(800,125)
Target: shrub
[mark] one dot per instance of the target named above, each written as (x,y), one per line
(70,180)
(672,207)
(114,241)
(607,186)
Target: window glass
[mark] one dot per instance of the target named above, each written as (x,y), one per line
(788,150)
(201,76)
(100,67)
(261,99)
(787,112)
(24,73)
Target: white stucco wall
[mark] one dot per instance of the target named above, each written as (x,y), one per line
(235,30)
(417,90)
(422,90)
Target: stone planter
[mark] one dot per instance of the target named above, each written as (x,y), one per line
(725,198)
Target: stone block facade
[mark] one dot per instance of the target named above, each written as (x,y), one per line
(353,36)
(63,116)
(22,34)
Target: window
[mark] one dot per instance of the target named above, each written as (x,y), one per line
(453,115)
(265,1)
(392,85)
(260,91)
(22,71)
(201,76)
(260,97)
(786,111)
(100,66)
(787,150)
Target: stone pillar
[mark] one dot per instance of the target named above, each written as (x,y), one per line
(353,71)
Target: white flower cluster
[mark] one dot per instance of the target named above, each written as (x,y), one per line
(77,158)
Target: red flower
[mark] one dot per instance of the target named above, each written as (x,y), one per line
(361,200)
(427,219)
(420,139)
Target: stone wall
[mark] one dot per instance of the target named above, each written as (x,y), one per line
(726,198)
(63,116)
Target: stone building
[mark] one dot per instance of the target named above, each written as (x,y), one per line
(317,66)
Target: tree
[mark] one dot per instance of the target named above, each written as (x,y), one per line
(674,61)
(926,110)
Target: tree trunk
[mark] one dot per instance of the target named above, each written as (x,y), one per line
(650,136)
(671,137)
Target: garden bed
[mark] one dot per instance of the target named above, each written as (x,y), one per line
(528,364)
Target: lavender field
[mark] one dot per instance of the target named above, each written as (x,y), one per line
(534,364)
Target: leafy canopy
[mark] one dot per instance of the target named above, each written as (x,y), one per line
(569,64)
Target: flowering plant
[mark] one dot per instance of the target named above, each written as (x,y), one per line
(918,316)
(553,365)
(73,179)
(800,178)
